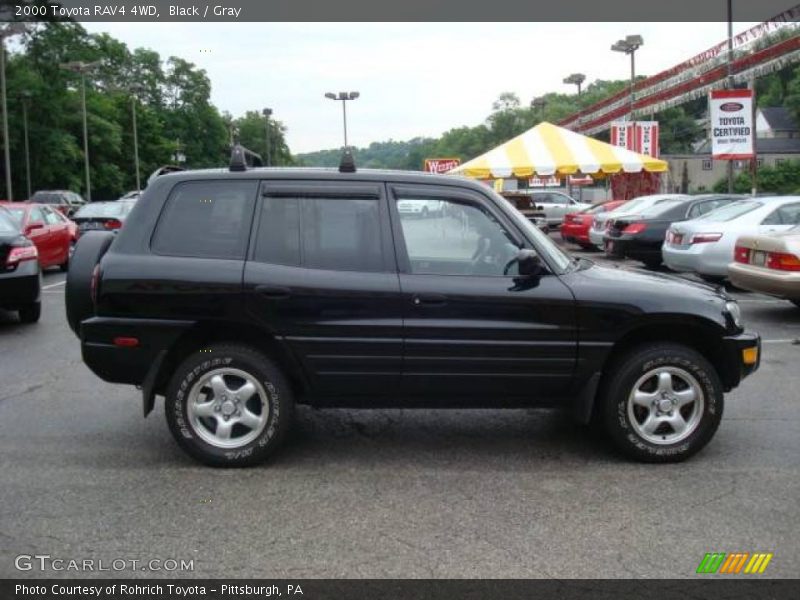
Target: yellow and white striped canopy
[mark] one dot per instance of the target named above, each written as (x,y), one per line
(551,150)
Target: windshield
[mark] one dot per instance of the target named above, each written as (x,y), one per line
(103,209)
(8,226)
(18,214)
(46,198)
(660,208)
(732,211)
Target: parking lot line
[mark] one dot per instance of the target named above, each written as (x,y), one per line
(52,285)
(788,341)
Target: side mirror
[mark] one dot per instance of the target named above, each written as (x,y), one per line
(529,264)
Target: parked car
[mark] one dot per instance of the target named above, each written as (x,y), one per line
(555,205)
(705,245)
(64,201)
(236,295)
(641,237)
(769,264)
(107,216)
(132,195)
(420,208)
(575,228)
(52,233)
(20,276)
(523,202)
(631,207)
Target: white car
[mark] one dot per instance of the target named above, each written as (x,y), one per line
(706,245)
(630,208)
(554,205)
(420,208)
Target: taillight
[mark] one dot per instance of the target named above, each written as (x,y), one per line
(113,224)
(634,228)
(783,261)
(741,255)
(21,253)
(93,283)
(703,238)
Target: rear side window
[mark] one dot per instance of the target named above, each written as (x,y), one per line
(337,234)
(788,214)
(207,219)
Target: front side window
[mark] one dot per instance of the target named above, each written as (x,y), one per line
(337,234)
(206,219)
(459,239)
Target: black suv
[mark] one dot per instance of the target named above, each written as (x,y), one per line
(238,293)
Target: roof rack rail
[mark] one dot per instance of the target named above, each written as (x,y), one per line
(347,164)
(241,158)
(163,171)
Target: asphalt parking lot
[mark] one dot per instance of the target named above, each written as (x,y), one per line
(489,494)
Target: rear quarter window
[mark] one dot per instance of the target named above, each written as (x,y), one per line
(206,219)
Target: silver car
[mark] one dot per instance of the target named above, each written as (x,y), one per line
(706,245)
(630,208)
(554,205)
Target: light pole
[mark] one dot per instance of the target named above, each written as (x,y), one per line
(630,45)
(344,97)
(576,79)
(267,112)
(133,90)
(25,96)
(82,68)
(731,81)
(6,32)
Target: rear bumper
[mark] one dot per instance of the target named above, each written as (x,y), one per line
(698,258)
(21,286)
(131,365)
(575,234)
(739,352)
(767,281)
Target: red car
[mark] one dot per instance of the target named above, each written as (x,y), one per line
(52,233)
(575,228)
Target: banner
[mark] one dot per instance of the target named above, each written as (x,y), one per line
(622,134)
(647,138)
(440,165)
(731,124)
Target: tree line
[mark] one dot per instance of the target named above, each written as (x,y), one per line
(174,113)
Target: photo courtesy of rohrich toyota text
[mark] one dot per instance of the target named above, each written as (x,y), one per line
(402,299)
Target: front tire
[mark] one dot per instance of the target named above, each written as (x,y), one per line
(663,403)
(30,313)
(229,406)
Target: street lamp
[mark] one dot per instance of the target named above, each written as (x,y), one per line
(576,79)
(25,96)
(267,112)
(539,103)
(629,46)
(7,31)
(82,68)
(134,89)
(344,97)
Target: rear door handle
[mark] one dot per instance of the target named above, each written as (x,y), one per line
(273,292)
(429,300)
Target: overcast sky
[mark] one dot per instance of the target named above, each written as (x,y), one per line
(415,79)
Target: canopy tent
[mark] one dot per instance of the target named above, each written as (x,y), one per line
(551,150)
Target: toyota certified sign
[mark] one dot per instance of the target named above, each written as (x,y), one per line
(440,165)
(732,131)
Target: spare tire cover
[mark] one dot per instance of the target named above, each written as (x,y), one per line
(89,250)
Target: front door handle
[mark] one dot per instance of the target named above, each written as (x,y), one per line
(273,292)
(429,300)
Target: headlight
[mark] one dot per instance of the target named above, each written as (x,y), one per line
(732,308)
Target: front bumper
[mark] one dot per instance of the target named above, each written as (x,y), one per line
(743,353)
(784,284)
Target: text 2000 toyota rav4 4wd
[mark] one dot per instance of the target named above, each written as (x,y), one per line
(237,293)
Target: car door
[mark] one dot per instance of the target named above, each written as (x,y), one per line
(59,235)
(321,275)
(781,219)
(39,232)
(470,330)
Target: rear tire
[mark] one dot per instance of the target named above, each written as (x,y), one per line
(30,313)
(652,264)
(663,403)
(229,405)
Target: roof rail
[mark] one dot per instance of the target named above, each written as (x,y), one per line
(163,171)
(241,158)
(347,164)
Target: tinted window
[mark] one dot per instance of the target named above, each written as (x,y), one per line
(788,214)
(461,239)
(8,226)
(103,209)
(48,198)
(336,234)
(206,219)
(665,208)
